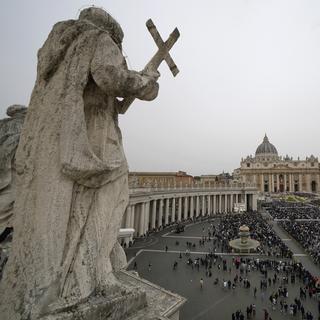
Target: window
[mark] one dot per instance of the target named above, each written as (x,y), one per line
(248,165)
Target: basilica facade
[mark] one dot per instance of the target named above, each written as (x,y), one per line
(273,173)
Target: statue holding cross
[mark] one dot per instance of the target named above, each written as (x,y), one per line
(162,54)
(72,173)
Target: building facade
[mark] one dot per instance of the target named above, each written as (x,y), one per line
(273,173)
(214,179)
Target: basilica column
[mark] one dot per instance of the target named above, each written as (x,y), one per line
(132,216)
(278,182)
(185,209)
(209,204)
(141,219)
(272,183)
(262,183)
(203,206)
(300,182)
(146,216)
(166,214)
(291,188)
(154,214)
(231,203)
(130,222)
(308,182)
(285,182)
(179,208)
(220,203)
(225,203)
(128,217)
(191,207)
(173,212)
(245,201)
(214,204)
(160,213)
(197,206)
(137,218)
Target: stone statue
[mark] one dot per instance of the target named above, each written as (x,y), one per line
(10,129)
(72,174)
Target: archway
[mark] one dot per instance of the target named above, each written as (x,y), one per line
(313,186)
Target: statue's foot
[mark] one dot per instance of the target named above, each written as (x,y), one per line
(118,257)
(112,287)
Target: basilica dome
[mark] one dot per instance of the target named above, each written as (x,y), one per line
(266,148)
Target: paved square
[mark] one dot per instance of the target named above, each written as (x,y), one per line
(213,301)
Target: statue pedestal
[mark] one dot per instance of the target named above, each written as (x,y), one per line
(161,303)
(139,299)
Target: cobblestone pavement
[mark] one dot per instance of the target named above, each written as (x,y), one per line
(213,301)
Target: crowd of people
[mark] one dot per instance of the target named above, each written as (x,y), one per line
(315,202)
(260,230)
(293,210)
(275,276)
(307,234)
(277,272)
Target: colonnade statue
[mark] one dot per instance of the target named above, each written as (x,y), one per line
(72,174)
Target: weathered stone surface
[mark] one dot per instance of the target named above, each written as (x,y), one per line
(117,305)
(10,129)
(72,174)
(161,303)
(138,299)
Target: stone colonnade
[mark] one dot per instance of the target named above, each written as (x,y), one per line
(155,209)
(287,182)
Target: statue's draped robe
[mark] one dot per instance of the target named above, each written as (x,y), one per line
(72,172)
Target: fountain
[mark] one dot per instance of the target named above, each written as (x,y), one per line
(244,244)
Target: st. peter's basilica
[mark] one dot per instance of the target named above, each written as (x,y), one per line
(273,173)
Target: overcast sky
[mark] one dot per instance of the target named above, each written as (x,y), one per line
(247,67)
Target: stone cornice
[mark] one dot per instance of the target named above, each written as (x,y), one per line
(149,194)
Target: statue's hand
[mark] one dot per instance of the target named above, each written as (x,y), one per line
(150,92)
(151,74)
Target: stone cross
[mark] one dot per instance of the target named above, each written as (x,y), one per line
(159,42)
(160,55)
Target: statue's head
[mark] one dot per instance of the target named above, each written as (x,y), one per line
(104,21)
(64,33)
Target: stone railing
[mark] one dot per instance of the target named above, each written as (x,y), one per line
(193,188)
